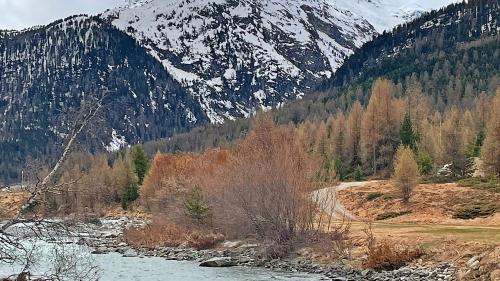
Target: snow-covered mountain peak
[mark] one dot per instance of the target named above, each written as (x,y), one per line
(235,56)
(238,55)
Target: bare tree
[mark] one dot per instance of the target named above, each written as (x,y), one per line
(12,249)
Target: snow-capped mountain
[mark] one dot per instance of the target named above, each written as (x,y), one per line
(47,73)
(235,56)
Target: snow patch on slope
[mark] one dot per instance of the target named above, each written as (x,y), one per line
(117,142)
(384,15)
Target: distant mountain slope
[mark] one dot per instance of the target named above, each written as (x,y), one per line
(384,15)
(234,56)
(49,71)
(461,40)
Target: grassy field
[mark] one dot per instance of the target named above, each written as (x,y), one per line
(489,235)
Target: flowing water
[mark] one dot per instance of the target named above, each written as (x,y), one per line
(113,267)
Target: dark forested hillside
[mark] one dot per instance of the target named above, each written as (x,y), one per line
(453,52)
(47,73)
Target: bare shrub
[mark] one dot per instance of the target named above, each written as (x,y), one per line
(337,243)
(202,241)
(162,233)
(277,250)
(266,185)
(385,255)
(340,239)
(155,234)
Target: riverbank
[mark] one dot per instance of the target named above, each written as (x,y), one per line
(106,237)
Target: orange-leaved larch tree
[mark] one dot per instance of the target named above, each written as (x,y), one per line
(406,175)
(491,148)
(380,126)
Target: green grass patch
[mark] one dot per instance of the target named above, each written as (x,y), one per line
(482,183)
(391,215)
(373,195)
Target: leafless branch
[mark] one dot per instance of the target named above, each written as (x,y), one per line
(11,231)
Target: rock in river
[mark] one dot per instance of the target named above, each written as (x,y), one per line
(218,262)
(130,253)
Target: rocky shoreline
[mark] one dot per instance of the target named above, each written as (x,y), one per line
(106,238)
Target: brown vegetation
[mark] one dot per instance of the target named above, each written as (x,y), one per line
(385,255)
(491,150)
(88,184)
(261,188)
(10,202)
(405,176)
(380,126)
(161,233)
(431,203)
(267,184)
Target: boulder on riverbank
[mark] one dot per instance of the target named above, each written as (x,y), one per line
(218,262)
(130,253)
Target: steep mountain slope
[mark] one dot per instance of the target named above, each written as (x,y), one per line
(234,56)
(47,73)
(237,55)
(460,41)
(454,54)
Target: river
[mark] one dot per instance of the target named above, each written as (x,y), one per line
(113,267)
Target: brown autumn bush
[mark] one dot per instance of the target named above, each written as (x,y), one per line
(154,234)
(170,183)
(264,189)
(164,234)
(202,241)
(261,188)
(167,175)
(386,255)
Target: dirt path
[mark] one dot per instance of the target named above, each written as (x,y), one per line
(329,203)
